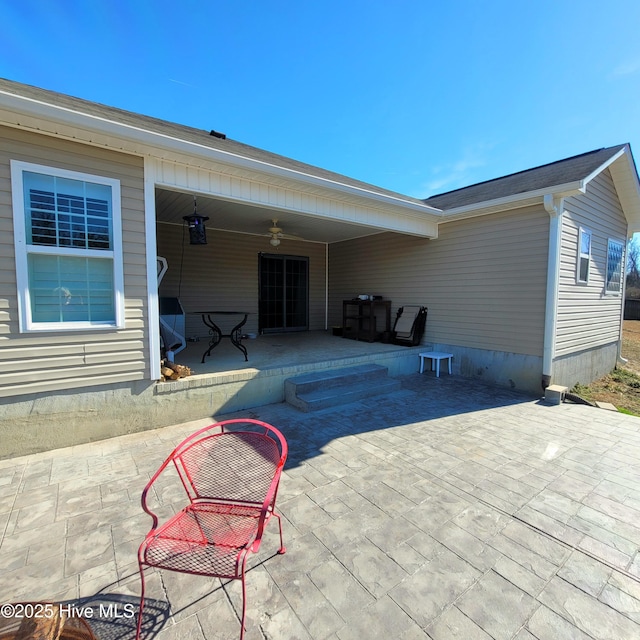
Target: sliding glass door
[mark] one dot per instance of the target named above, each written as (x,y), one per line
(283,293)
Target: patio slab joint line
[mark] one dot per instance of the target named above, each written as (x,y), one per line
(546,534)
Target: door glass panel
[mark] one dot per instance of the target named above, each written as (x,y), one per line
(271,293)
(284,283)
(296,293)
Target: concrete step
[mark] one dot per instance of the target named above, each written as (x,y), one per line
(336,378)
(323,389)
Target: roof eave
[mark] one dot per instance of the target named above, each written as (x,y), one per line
(514,201)
(624,174)
(152,139)
(625,177)
(605,164)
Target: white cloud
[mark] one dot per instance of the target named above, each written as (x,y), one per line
(186,84)
(460,173)
(627,68)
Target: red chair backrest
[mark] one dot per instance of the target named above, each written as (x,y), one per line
(237,465)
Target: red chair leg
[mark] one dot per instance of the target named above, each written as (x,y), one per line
(244,597)
(282,548)
(244,607)
(139,627)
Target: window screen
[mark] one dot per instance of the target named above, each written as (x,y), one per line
(615,252)
(67,213)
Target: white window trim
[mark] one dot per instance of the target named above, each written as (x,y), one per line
(22,249)
(622,267)
(581,255)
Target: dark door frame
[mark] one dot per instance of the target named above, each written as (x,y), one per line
(286,297)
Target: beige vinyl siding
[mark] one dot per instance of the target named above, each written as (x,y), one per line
(587,317)
(483,280)
(223,274)
(47,361)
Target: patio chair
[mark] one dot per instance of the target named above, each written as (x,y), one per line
(409,325)
(230,472)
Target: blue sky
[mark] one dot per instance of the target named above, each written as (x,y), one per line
(416,96)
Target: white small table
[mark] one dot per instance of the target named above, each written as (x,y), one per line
(435,357)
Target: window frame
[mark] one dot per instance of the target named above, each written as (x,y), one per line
(23,249)
(621,269)
(583,256)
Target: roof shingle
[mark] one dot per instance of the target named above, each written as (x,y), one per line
(544,177)
(188,134)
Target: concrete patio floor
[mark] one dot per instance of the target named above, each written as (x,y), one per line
(277,350)
(447,510)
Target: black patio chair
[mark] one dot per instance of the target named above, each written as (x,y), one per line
(409,325)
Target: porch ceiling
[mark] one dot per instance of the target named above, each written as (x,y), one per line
(225,215)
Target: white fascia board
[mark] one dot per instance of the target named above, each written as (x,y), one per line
(157,140)
(625,179)
(604,165)
(513,201)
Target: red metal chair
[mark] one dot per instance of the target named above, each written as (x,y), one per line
(230,471)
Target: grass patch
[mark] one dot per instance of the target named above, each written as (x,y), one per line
(583,391)
(621,387)
(625,378)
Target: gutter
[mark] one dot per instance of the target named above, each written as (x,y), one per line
(514,201)
(148,138)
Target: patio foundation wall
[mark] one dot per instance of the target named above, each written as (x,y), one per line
(511,370)
(41,422)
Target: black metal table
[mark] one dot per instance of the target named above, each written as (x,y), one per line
(235,335)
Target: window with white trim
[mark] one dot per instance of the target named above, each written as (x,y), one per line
(584,255)
(615,253)
(68,243)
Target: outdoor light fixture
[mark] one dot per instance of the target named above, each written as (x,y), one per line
(197,230)
(276,233)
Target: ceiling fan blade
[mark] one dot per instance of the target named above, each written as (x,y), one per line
(276,232)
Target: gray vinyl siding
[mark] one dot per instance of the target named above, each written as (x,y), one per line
(47,361)
(483,280)
(587,317)
(223,274)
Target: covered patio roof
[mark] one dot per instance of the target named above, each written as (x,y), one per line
(240,188)
(243,217)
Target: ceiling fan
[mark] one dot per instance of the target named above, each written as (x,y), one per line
(276,234)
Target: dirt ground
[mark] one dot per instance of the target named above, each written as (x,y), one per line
(631,345)
(622,386)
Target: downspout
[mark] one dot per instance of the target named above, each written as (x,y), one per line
(554,206)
